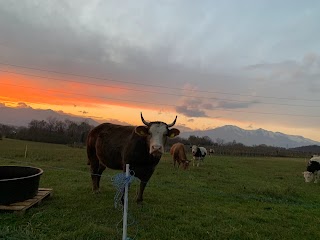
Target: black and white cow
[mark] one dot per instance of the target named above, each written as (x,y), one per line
(198,154)
(313,170)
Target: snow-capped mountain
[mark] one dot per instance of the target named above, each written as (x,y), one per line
(23,116)
(230,133)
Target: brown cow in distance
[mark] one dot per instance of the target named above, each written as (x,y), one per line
(178,153)
(114,146)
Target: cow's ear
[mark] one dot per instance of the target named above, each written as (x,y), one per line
(142,131)
(173,132)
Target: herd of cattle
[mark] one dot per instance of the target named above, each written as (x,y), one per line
(114,146)
(179,156)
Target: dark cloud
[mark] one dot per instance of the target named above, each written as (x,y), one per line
(234,105)
(22,105)
(190,111)
(50,40)
(198,106)
(51,36)
(273,66)
(84,112)
(193,107)
(299,77)
(207,106)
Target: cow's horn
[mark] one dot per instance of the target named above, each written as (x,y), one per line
(144,121)
(173,123)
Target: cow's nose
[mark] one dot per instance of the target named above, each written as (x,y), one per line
(156,150)
(156,147)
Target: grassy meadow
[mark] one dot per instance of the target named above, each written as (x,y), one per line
(226,198)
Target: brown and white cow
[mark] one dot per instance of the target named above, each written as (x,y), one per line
(114,146)
(178,153)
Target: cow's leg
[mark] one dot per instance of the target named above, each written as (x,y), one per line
(100,171)
(193,159)
(94,176)
(96,171)
(316,177)
(141,190)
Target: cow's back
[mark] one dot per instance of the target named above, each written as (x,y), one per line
(315,159)
(178,152)
(203,151)
(106,143)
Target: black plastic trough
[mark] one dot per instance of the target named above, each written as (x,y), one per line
(18,183)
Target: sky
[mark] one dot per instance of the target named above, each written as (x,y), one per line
(251,63)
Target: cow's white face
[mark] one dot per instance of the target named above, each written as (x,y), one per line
(308,176)
(157,135)
(194,149)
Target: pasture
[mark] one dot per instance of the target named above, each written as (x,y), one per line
(226,198)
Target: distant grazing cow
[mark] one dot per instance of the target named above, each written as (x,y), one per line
(313,170)
(178,153)
(198,154)
(114,146)
(211,152)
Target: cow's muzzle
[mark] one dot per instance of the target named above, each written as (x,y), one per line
(156,150)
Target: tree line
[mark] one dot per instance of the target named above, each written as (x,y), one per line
(75,134)
(51,130)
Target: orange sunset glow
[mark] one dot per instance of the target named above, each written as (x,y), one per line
(19,88)
(98,102)
(101,102)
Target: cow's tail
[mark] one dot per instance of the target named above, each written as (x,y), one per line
(91,154)
(91,150)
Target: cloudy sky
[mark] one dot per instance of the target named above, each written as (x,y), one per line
(250,63)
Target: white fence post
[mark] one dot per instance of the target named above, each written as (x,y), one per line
(125,205)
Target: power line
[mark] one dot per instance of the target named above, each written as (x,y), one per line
(155,86)
(161,104)
(155,92)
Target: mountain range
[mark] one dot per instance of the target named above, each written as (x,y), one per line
(260,136)
(23,116)
(228,133)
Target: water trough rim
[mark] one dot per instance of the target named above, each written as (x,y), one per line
(20,178)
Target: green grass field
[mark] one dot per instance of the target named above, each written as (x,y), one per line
(226,198)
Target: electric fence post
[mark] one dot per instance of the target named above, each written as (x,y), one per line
(125,204)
